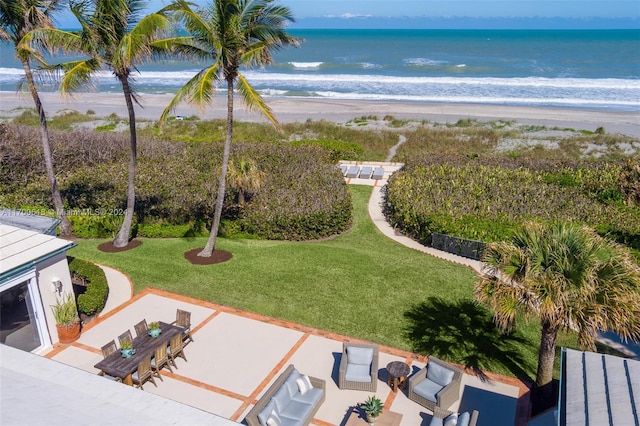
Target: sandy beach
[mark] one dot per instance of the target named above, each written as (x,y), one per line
(289,110)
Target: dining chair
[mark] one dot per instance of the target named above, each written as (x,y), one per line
(143,373)
(160,360)
(126,336)
(183,320)
(109,348)
(141,327)
(176,349)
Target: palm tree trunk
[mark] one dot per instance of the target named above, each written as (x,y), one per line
(65,226)
(122,238)
(217,214)
(546,354)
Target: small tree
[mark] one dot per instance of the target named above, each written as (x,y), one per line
(245,178)
(570,278)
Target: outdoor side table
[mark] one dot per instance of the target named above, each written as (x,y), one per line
(397,374)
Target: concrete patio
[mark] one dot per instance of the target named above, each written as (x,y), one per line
(236,355)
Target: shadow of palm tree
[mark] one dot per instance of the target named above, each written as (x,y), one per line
(464,333)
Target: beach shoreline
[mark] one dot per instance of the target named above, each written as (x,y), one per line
(289,110)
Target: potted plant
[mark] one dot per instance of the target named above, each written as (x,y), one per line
(65,314)
(372,408)
(126,349)
(154,329)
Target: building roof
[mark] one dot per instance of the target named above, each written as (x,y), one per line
(37,391)
(20,248)
(28,221)
(598,389)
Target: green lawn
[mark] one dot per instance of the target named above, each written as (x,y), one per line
(359,284)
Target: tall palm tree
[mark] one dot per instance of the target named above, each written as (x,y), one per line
(231,34)
(569,277)
(17,18)
(113,37)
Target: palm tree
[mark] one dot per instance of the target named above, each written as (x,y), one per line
(569,277)
(17,18)
(231,33)
(245,177)
(112,38)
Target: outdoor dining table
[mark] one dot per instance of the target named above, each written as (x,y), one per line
(116,365)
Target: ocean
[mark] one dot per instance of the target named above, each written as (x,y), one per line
(572,68)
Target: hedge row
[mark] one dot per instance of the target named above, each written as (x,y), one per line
(486,199)
(92,301)
(303,196)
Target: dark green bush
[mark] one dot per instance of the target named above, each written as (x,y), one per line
(92,301)
(487,198)
(304,195)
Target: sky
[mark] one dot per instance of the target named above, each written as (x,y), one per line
(496,13)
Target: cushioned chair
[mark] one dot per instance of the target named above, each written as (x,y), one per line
(358,367)
(144,373)
(160,360)
(442,417)
(436,385)
(176,349)
(183,320)
(141,327)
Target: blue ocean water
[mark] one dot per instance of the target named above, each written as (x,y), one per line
(570,68)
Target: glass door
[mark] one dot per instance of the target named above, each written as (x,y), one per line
(19,325)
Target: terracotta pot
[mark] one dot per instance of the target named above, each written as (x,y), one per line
(68,333)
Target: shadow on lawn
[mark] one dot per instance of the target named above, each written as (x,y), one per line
(464,333)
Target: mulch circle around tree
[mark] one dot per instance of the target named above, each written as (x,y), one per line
(108,247)
(218,256)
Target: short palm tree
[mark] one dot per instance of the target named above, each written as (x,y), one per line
(231,34)
(569,277)
(113,37)
(245,177)
(17,18)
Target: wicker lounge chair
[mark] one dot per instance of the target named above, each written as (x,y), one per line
(365,173)
(378,173)
(353,172)
(438,386)
(442,417)
(359,367)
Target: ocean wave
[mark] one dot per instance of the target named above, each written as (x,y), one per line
(305,65)
(424,61)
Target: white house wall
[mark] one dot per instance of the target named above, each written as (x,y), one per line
(57,268)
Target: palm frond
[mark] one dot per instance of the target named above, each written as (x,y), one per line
(199,90)
(254,101)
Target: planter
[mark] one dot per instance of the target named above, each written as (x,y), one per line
(68,333)
(370,419)
(155,332)
(127,353)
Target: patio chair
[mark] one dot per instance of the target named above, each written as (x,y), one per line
(436,385)
(183,320)
(358,367)
(176,349)
(143,374)
(160,360)
(126,336)
(141,327)
(109,348)
(442,417)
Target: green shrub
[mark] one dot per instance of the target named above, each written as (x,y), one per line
(486,198)
(92,301)
(340,150)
